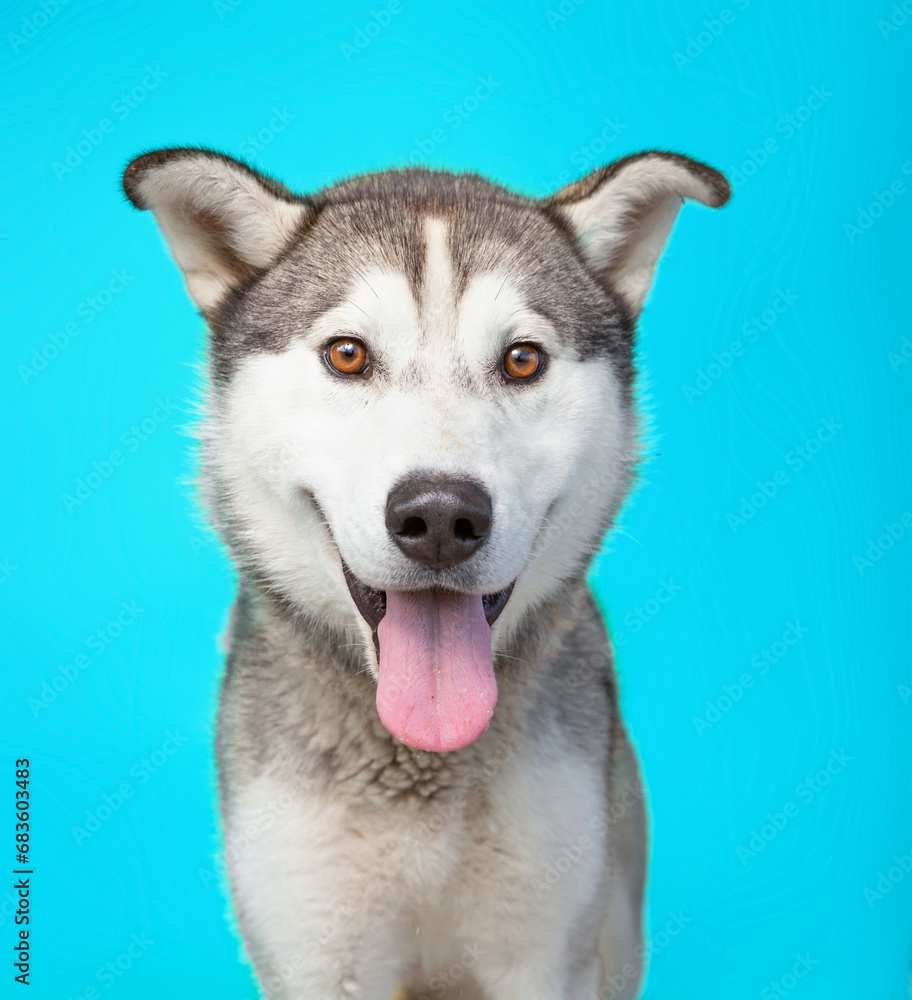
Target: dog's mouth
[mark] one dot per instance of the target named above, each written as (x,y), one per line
(371,603)
(436,688)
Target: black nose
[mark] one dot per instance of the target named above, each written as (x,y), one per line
(438,521)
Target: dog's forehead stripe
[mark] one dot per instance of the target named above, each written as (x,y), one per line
(438,287)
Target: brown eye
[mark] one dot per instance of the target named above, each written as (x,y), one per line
(347,356)
(522,361)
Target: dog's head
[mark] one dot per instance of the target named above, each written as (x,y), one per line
(421,403)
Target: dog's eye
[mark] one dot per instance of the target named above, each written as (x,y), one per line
(523,361)
(347,356)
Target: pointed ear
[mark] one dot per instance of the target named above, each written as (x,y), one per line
(223,221)
(622,214)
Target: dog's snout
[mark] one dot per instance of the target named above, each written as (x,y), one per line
(438,521)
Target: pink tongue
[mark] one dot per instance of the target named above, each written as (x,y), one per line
(436,689)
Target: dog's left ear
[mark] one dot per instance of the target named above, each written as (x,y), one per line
(621,215)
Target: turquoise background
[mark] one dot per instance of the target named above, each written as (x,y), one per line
(694,596)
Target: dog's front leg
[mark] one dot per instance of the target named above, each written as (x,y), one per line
(366,969)
(536,952)
(309,948)
(313,901)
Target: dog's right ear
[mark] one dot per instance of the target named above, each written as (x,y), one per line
(223,221)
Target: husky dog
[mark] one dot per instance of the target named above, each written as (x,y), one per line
(420,424)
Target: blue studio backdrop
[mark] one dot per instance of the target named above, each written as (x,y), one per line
(757,587)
